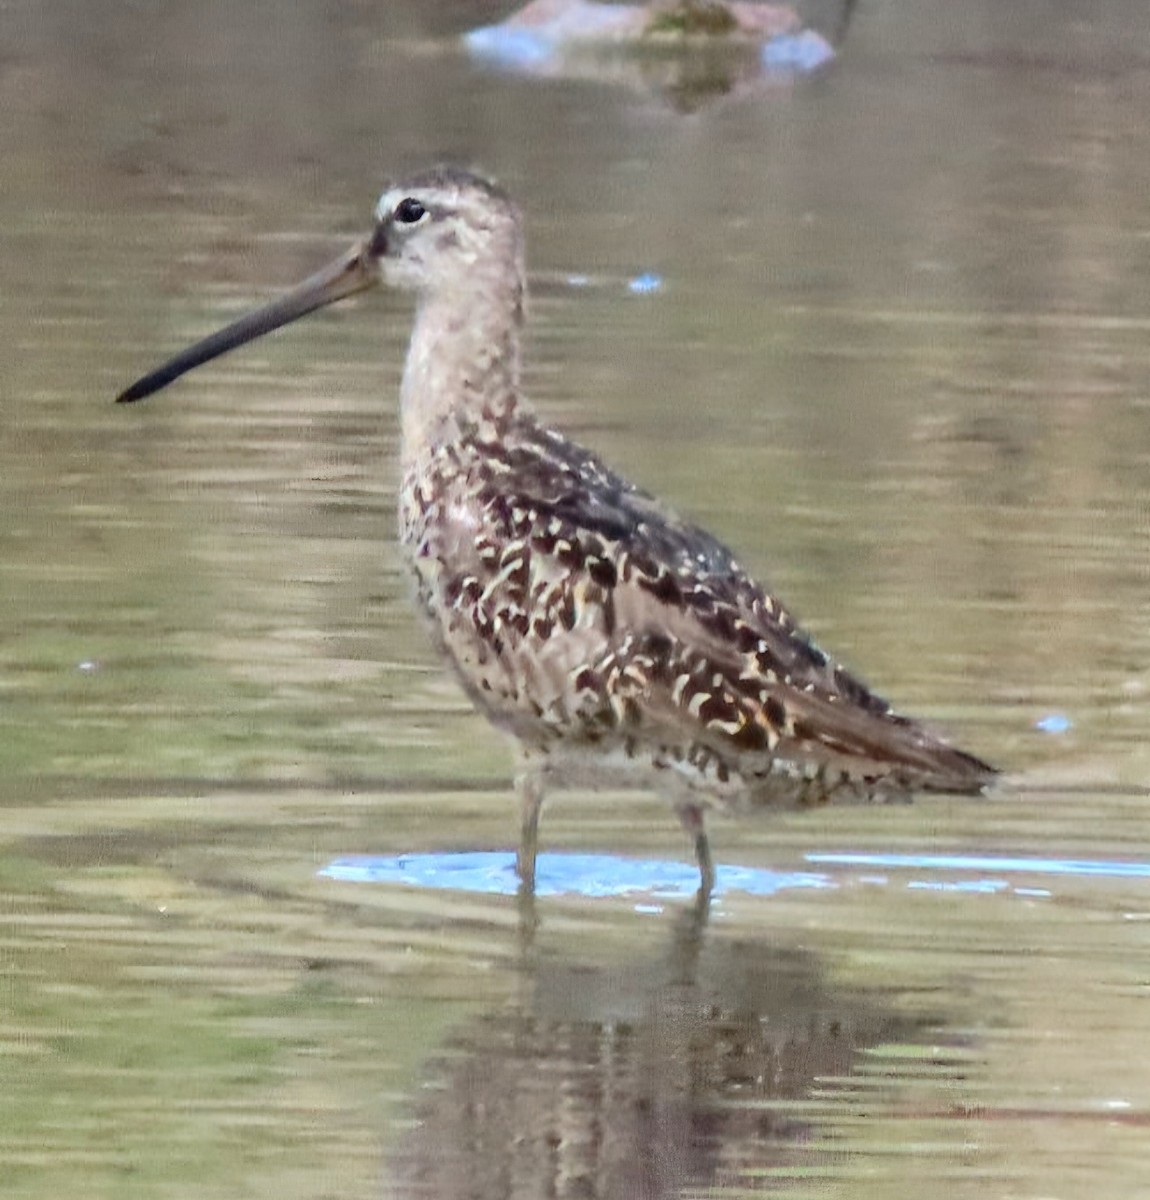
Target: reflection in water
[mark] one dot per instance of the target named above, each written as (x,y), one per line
(691,52)
(633,1080)
(593,875)
(998,863)
(492,872)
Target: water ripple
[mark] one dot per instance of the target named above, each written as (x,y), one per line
(1112,869)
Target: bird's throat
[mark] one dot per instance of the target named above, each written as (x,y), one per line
(461,378)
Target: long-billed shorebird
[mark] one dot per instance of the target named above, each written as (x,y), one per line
(613,641)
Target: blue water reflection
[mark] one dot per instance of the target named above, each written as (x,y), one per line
(801,53)
(600,875)
(967,862)
(493,873)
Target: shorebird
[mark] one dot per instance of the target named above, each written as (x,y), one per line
(612,640)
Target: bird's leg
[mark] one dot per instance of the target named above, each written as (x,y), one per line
(691,818)
(530,789)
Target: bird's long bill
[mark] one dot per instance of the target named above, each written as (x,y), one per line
(351,273)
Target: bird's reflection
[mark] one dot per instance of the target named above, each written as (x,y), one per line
(635,1078)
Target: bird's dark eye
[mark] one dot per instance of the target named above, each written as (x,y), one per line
(409,211)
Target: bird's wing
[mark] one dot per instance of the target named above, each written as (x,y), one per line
(686,643)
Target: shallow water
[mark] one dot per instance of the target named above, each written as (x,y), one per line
(894,349)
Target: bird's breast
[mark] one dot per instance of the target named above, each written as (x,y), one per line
(517,622)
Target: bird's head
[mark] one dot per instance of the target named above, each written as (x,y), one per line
(443,234)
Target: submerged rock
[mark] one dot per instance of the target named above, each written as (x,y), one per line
(669,44)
